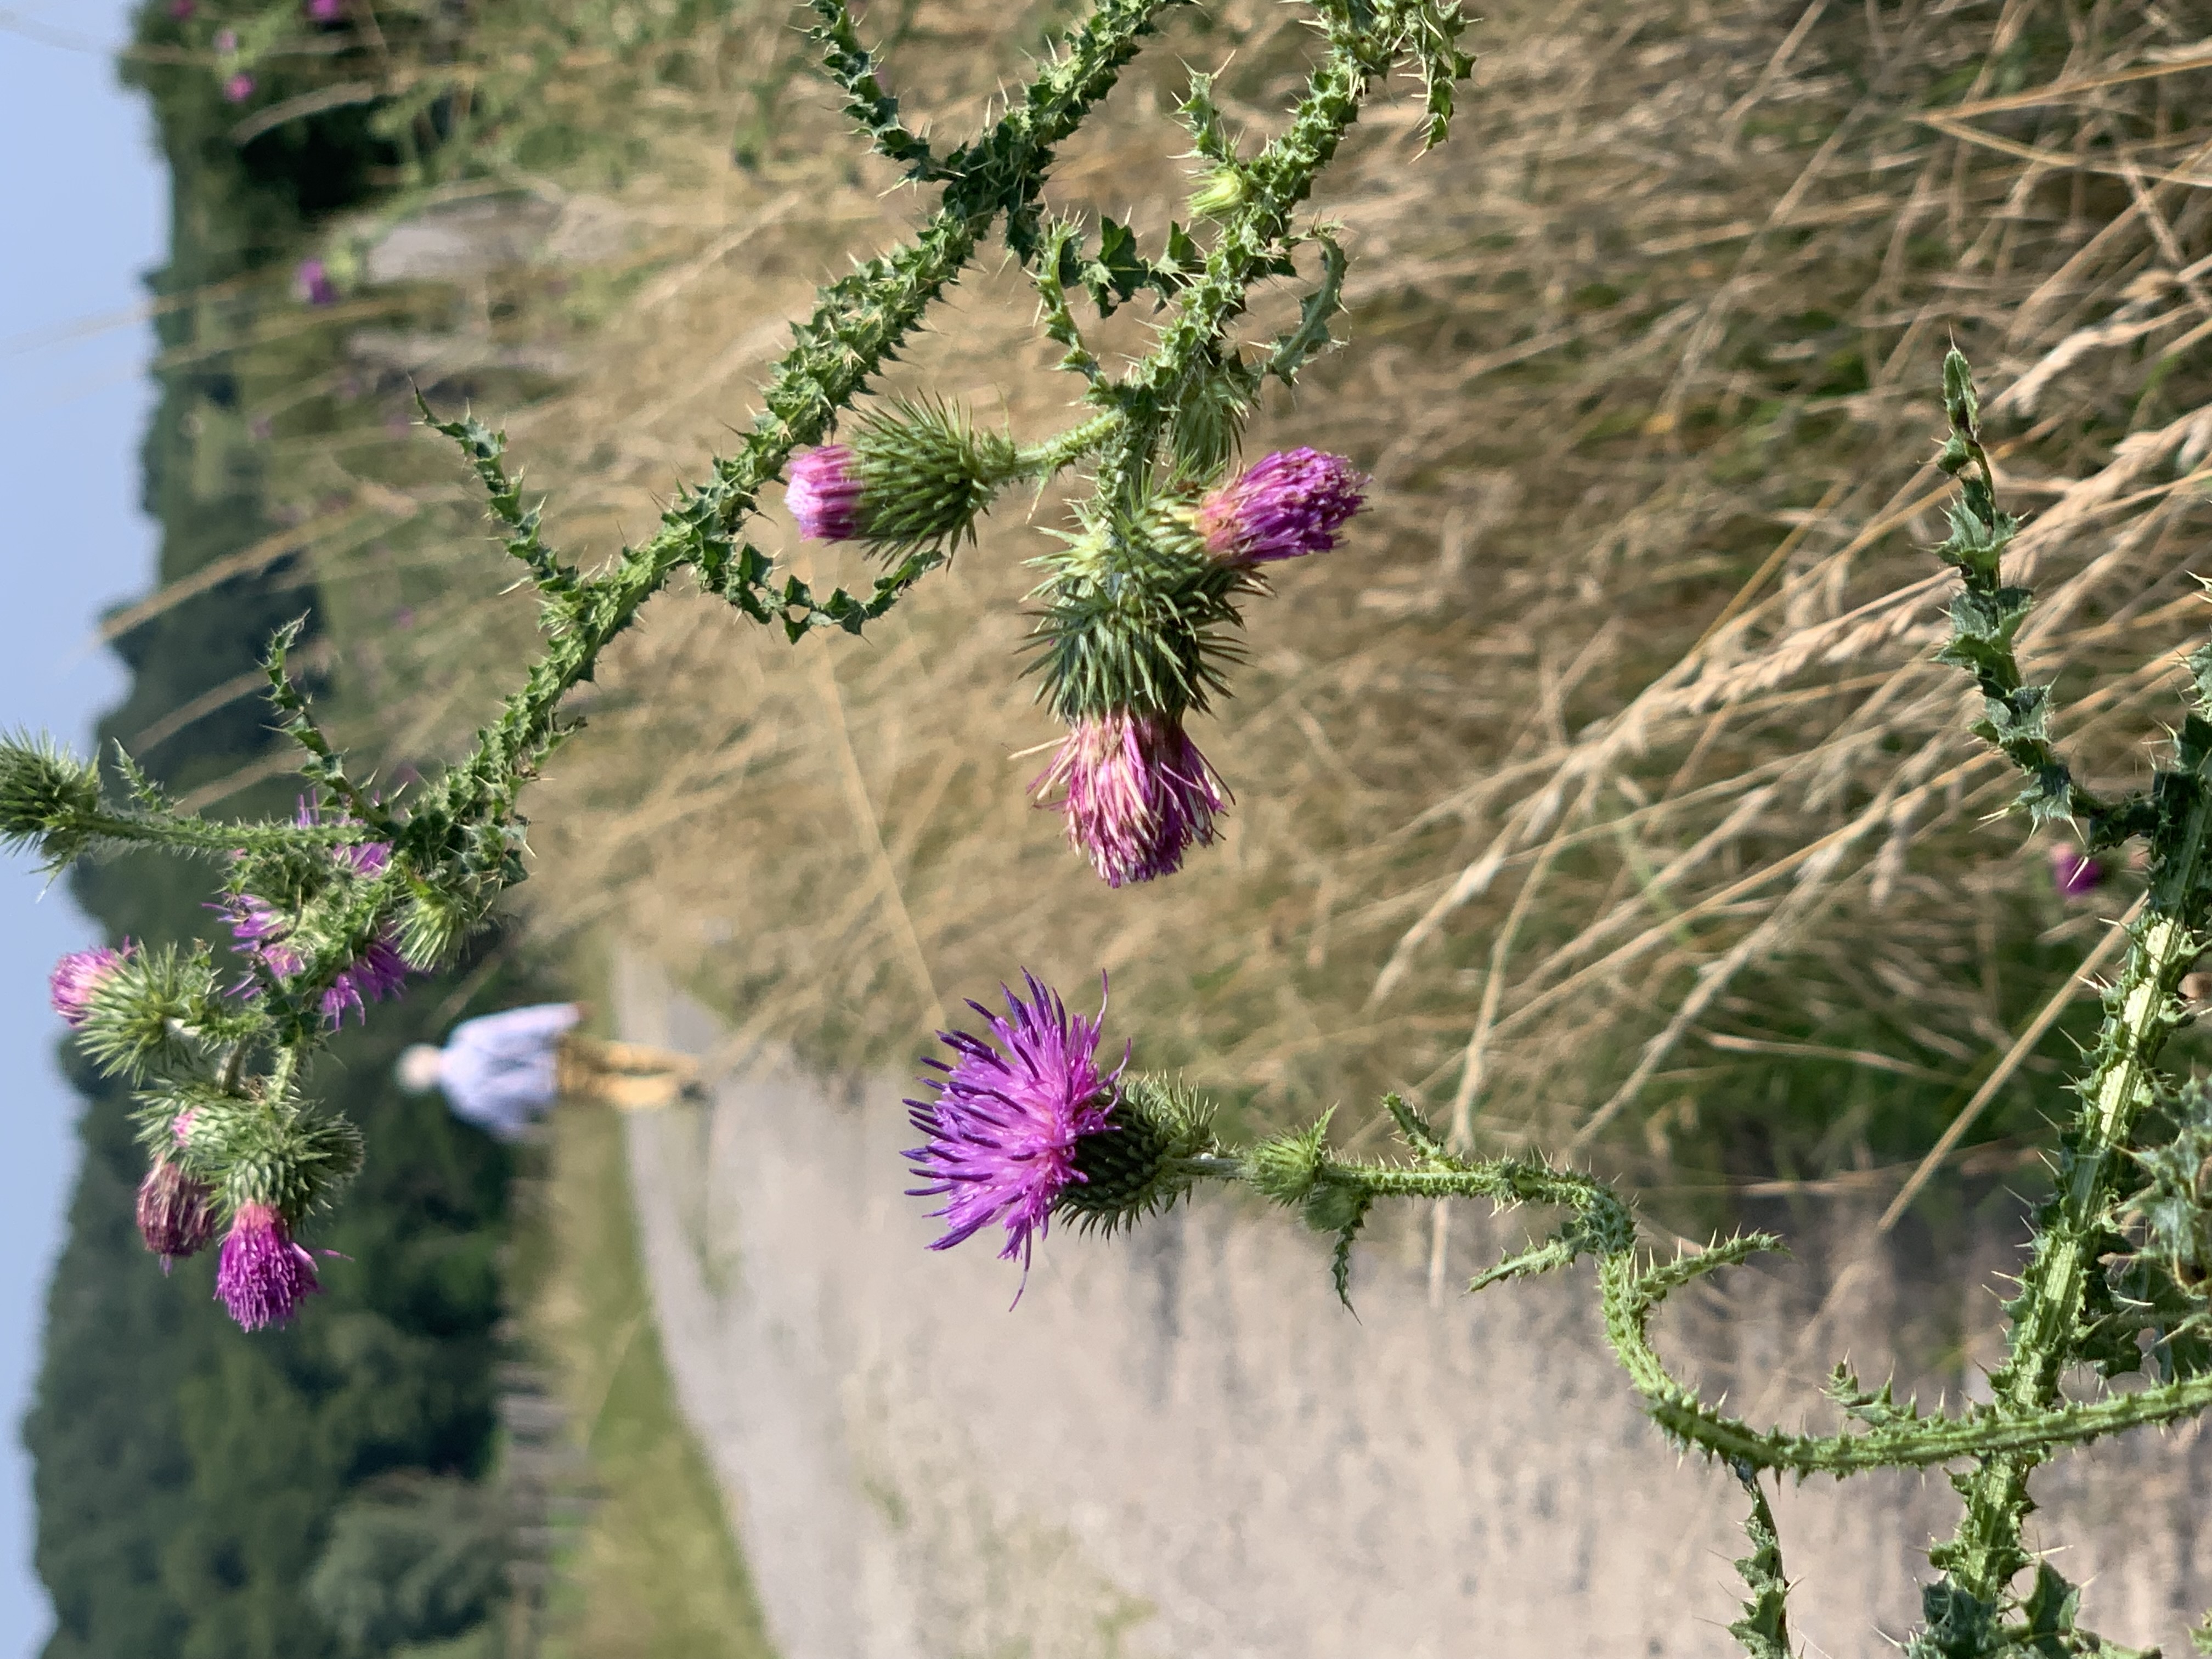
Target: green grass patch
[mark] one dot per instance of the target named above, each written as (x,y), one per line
(653,1570)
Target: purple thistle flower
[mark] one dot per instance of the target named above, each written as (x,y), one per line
(824,494)
(77,976)
(263,933)
(1285,504)
(1136,793)
(237,88)
(315,286)
(226,41)
(325,11)
(176,1213)
(2074,874)
(1008,1112)
(264,1276)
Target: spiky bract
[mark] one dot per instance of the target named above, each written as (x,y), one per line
(914,476)
(1143,1166)
(1136,615)
(1010,1112)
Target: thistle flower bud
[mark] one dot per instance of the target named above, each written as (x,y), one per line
(1136,793)
(47,800)
(1140,1163)
(1010,1113)
(824,494)
(1222,191)
(237,88)
(264,1276)
(1287,504)
(77,976)
(2074,874)
(176,1213)
(911,479)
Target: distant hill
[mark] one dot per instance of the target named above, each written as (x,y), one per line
(190,1478)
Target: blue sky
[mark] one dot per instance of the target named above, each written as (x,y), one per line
(85,203)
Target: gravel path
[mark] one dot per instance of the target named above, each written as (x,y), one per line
(1179,1445)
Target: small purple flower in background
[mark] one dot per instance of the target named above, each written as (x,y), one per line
(264,1276)
(313,282)
(2073,873)
(824,494)
(176,1213)
(1136,793)
(237,88)
(180,10)
(226,41)
(1286,504)
(1008,1112)
(404,618)
(77,976)
(325,11)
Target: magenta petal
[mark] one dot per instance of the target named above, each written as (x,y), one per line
(824,494)
(263,1276)
(77,976)
(1286,504)
(1008,1113)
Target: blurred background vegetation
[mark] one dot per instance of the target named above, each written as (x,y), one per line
(1599,793)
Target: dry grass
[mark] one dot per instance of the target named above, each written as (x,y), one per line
(1603,783)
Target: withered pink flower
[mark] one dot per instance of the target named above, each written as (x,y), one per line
(1136,793)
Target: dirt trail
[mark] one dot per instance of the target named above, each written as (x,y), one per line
(1179,1445)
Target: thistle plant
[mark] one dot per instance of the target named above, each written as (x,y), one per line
(2115,1283)
(332,911)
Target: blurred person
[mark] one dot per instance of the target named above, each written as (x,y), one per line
(503,1072)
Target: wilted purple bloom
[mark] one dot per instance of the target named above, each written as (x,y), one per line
(824,494)
(2074,873)
(315,286)
(1285,504)
(1008,1112)
(77,976)
(176,1213)
(239,87)
(1136,793)
(264,1276)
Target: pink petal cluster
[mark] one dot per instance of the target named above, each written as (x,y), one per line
(1286,504)
(77,976)
(176,1213)
(1001,1133)
(325,11)
(237,88)
(1136,793)
(2073,873)
(314,283)
(263,1276)
(824,494)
